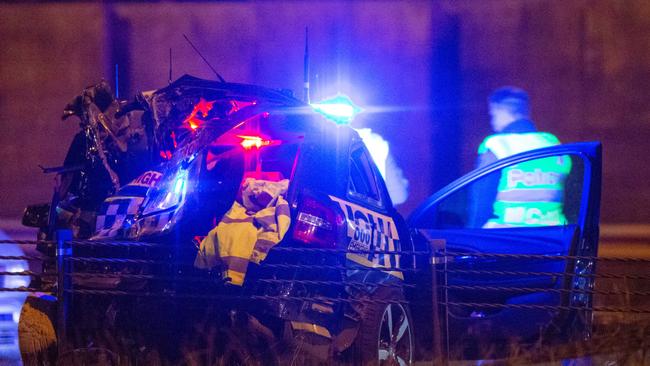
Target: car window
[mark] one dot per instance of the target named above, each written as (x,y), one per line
(362,183)
(536,193)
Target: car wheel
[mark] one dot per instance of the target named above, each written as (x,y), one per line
(36,334)
(385,334)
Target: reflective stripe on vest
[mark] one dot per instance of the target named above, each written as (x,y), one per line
(503,145)
(537,195)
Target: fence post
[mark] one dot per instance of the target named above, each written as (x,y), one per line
(438,356)
(64,282)
(446,284)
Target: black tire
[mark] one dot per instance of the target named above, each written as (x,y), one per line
(385,334)
(36,331)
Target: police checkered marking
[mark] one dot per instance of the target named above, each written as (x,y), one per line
(114,213)
(155,224)
(371,231)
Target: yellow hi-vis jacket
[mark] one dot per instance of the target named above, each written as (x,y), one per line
(244,236)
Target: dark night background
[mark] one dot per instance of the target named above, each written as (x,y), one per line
(422,70)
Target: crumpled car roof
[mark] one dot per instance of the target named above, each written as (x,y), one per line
(228,90)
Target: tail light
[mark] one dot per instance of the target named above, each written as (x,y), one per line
(318,224)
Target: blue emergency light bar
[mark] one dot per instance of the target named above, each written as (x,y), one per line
(339,109)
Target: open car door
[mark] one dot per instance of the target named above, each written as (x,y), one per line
(497,226)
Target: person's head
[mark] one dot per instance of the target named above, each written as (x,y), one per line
(507,104)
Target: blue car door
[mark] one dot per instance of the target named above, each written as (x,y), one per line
(503,228)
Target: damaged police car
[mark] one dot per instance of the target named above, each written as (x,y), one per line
(257,232)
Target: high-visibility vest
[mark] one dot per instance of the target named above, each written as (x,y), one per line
(529,193)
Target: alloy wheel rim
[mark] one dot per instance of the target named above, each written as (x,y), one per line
(395,340)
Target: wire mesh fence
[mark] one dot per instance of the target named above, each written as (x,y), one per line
(450,285)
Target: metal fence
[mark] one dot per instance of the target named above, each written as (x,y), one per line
(603,286)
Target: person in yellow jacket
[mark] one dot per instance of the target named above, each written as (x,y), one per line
(529,193)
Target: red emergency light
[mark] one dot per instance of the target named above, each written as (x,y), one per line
(251,141)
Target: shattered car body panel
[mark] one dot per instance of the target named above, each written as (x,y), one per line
(186,118)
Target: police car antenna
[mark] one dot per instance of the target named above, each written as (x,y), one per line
(204,60)
(170,65)
(306,67)
(117,82)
